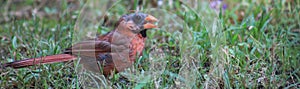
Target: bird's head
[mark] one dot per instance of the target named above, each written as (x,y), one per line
(138,22)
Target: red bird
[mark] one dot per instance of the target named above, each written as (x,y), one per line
(113,51)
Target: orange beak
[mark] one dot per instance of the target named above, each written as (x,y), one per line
(150,20)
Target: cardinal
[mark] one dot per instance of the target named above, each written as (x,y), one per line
(109,53)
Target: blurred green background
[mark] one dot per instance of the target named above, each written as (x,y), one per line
(203,43)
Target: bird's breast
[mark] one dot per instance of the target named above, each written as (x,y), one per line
(137,45)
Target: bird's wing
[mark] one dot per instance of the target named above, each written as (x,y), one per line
(89,48)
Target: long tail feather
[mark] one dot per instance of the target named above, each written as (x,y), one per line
(41,60)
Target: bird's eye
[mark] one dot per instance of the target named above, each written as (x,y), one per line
(137,19)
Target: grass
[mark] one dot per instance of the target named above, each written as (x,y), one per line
(251,44)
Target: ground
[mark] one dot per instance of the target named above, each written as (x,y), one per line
(199,43)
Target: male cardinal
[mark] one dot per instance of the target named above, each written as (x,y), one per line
(113,51)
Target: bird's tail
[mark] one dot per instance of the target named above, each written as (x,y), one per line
(41,60)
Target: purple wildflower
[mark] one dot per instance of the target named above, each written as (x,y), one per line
(217,4)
